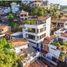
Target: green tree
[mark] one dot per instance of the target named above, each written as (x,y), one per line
(62,56)
(8,57)
(41,12)
(14,26)
(38,11)
(31,21)
(10,16)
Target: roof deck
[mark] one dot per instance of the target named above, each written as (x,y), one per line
(36,20)
(18,42)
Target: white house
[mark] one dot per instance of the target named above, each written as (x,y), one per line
(62,32)
(15,7)
(52,50)
(23,14)
(19,44)
(65,25)
(39,3)
(37,31)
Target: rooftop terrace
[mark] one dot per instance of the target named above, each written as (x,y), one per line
(36,20)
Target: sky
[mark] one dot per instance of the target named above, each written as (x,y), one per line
(61,2)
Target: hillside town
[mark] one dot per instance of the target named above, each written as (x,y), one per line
(33,34)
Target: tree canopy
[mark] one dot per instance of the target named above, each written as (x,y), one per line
(11,16)
(38,11)
(8,58)
(14,26)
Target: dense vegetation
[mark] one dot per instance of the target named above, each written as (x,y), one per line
(8,58)
(31,21)
(40,11)
(63,48)
(8,2)
(62,56)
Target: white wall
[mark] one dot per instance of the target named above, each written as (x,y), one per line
(53,51)
(48,24)
(18,48)
(65,25)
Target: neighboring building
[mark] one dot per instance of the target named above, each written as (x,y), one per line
(4,10)
(27,54)
(65,25)
(55,44)
(39,3)
(15,7)
(51,5)
(4,30)
(25,1)
(58,23)
(23,15)
(53,54)
(63,8)
(19,44)
(37,31)
(62,32)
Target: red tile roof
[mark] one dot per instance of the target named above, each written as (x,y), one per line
(59,20)
(48,39)
(18,42)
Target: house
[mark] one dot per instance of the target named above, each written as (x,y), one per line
(63,8)
(4,29)
(4,10)
(53,52)
(27,54)
(55,46)
(15,7)
(62,32)
(19,44)
(65,25)
(37,30)
(51,5)
(58,23)
(25,1)
(39,3)
(23,14)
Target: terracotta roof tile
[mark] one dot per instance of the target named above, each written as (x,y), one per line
(59,20)
(48,39)
(19,42)
(3,27)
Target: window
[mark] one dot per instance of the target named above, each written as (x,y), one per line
(37,31)
(42,29)
(31,37)
(42,36)
(38,38)
(65,23)
(21,49)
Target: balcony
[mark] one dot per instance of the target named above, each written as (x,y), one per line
(31,30)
